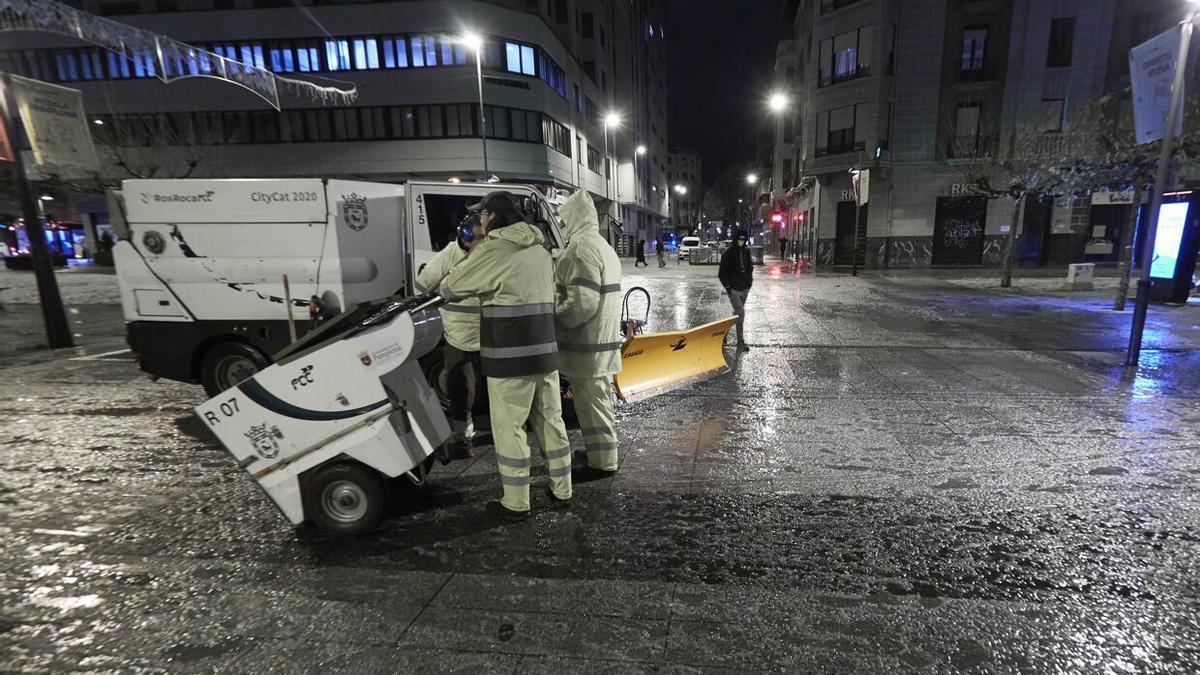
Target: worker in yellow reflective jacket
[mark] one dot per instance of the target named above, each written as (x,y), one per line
(512,275)
(587,277)
(460,321)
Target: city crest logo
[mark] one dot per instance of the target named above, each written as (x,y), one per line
(354,210)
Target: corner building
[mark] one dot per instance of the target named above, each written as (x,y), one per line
(900,88)
(552,70)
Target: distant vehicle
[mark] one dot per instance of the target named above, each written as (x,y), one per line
(686,245)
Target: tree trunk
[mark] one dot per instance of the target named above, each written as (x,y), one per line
(1010,242)
(1126,268)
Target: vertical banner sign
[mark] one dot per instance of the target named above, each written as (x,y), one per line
(1152,67)
(864,186)
(55,123)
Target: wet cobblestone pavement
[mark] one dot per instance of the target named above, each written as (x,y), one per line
(903,474)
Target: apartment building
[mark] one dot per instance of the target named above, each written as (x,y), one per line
(685,176)
(552,72)
(904,90)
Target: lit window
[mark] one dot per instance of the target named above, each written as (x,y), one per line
(513,57)
(401,53)
(974,44)
(418,52)
(337,54)
(372,54)
(360,55)
(302,57)
(527,62)
(258,57)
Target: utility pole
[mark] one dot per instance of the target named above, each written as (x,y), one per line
(855,175)
(1156,197)
(58,331)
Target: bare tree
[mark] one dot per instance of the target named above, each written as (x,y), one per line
(1114,161)
(1016,163)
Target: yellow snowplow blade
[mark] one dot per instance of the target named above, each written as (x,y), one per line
(657,362)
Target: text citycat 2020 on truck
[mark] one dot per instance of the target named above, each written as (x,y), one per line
(201,263)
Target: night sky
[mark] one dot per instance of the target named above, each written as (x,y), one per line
(720,58)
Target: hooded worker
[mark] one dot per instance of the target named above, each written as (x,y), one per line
(512,275)
(460,321)
(587,308)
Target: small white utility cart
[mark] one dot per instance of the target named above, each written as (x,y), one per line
(338,413)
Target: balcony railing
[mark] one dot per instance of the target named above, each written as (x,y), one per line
(831,78)
(839,148)
(828,6)
(969,147)
(967,75)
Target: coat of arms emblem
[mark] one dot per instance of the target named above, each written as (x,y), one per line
(354,211)
(265,439)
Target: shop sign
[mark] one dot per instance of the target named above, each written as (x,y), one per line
(1111,198)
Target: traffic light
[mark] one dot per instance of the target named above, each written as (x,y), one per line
(779,212)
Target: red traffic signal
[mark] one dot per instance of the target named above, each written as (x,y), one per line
(777,217)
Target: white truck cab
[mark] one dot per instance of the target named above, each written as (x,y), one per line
(201,263)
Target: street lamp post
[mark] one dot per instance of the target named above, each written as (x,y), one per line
(778,104)
(611,121)
(1164,160)
(637,181)
(752,181)
(855,175)
(475,42)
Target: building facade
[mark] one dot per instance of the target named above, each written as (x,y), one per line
(900,92)
(552,72)
(685,177)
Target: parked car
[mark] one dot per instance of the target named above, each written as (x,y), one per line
(686,245)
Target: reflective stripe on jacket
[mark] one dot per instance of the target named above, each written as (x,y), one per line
(512,276)
(588,294)
(460,320)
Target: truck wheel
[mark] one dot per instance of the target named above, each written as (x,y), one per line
(434,366)
(344,499)
(226,364)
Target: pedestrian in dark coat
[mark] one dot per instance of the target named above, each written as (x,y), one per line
(736,275)
(641,254)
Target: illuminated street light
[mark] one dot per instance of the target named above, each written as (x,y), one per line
(681,189)
(612,119)
(751,179)
(471,40)
(641,149)
(778,102)
(474,41)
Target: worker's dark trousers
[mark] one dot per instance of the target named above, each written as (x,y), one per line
(460,385)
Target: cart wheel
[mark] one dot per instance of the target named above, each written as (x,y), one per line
(344,499)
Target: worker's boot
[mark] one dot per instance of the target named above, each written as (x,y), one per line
(460,446)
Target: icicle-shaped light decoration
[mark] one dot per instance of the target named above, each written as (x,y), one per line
(166,58)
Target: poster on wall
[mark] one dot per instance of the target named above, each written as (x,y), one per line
(56,124)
